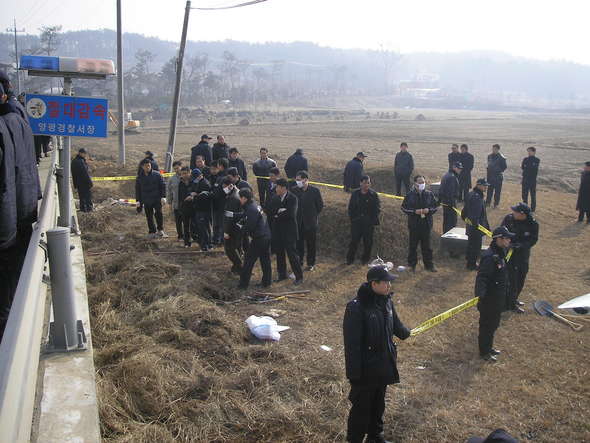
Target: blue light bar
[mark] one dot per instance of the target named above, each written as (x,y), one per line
(39,62)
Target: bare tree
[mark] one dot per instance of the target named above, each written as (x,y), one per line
(50,38)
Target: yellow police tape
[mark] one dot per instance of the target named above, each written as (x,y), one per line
(425,326)
(126,177)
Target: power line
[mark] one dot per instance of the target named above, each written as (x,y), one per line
(240,5)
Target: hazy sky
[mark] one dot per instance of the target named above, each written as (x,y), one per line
(532,28)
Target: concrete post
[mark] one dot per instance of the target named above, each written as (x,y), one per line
(66,331)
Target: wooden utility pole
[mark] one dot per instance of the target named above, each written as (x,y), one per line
(15,30)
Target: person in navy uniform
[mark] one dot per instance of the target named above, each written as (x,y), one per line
(491,284)
(448,193)
(370,322)
(468,161)
(475,211)
(583,203)
(353,172)
(403,166)
(454,156)
(81,180)
(495,175)
(364,208)
(530,169)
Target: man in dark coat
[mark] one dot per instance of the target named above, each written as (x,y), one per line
(454,156)
(491,284)
(474,214)
(203,149)
(220,149)
(202,205)
(273,176)
(419,205)
(370,322)
(583,203)
(235,161)
(232,233)
(353,172)
(526,233)
(187,190)
(149,155)
(403,166)
(284,233)
(81,180)
(308,213)
(447,194)
(468,162)
(495,175)
(530,169)
(150,193)
(255,227)
(364,208)
(219,171)
(233,174)
(261,169)
(297,162)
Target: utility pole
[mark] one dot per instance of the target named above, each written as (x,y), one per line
(16,54)
(172,137)
(120,93)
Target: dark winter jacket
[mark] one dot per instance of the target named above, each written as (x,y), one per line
(8,212)
(232,213)
(220,151)
(496,166)
(370,322)
(352,174)
(475,210)
(364,208)
(403,164)
(527,235)
(238,163)
(285,221)
(419,200)
(217,190)
(243,184)
(185,190)
(150,188)
(583,203)
(449,188)
(468,161)
(203,149)
(262,167)
(254,221)
(530,169)
(492,279)
(454,157)
(80,176)
(297,162)
(202,201)
(310,204)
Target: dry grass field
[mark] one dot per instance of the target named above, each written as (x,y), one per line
(174,363)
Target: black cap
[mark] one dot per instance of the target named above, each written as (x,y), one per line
(482,182)
(149,153)
(205,137)
(361,153)
(458,165)
(380,273)
(497,436)
(502,232)
(523,208)
(82,151)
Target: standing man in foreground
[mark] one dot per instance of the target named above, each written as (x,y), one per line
(526,233)
(370,322)
(419,205)
(530,169)
(364,208)
(261,169)
(403,166)
(353,172)
(583,203)
(491,284)
(474,214)
(81,180)
(468,162)
(496,167)
(150,193)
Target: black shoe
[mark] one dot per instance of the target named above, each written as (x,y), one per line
(519,303)
(431,269)
(298,282)
(489,357)
(495,352)
(518,310)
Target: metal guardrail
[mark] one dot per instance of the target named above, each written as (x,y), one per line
(21,344)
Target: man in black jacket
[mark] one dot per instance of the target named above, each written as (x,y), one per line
(370,322)
(447,194)
(310,204)
(353,172)
(220,149)
(419,205)
(202,207)
(454,156)
(530,169)
(150,193)
(232,233)
(583,203)
(474,214)
(364,208)
(496,167)
(219,171)
(468,162)
(150,156)
(297,162)
(235,161)
(81,180)
(261,168)
(273,176)
(233,174)
(402,168)
(491,284)
(187,191)
(203,149)
(526,234)
(255,226)
(284,233)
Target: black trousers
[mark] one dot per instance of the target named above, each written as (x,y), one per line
(307,239)
(202,222)
(420,236)
(233,248)
(218,226)
(150,212)
(178,221)
(262,189)
(259,249)
(399,179)
(366,413)
(187,225)
(287,247)
(360,229)
(474,242)
(581,215)
(518,268)
(85,195)
(530,188)
(449,219)
(489,320)
(464,185)
(494,190)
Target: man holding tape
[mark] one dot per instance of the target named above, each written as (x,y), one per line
(370,322)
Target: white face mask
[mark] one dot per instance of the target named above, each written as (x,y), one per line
(227,189)
(421,186)
(299,183)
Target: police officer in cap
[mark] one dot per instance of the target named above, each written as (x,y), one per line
(491,284)
(370,322)
(474,214)
(526,230)
(448,192)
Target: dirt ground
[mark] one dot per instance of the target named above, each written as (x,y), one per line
(176,364)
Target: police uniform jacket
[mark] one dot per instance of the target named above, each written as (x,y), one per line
(496,166)
(419,200)
(80,176)
(491,282)
(232,212)
(475,211)
(467,161)
(527,235)
(254,222)
(284,222)
(297,162)
(352,174)
(370,322)
(449,188)
(309,207)
(530,169)
(150,188)
(364,208)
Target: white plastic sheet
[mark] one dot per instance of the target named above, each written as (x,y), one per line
(265,328)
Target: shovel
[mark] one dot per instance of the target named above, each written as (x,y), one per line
(545,309)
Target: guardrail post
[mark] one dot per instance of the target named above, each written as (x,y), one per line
(66,333)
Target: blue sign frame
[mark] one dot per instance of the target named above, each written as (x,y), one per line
(67,116)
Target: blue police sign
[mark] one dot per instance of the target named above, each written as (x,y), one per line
(67,116)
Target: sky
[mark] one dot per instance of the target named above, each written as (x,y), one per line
(536,29)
